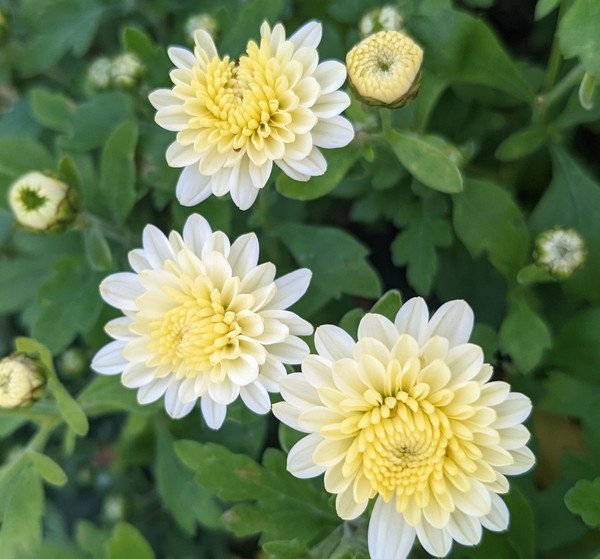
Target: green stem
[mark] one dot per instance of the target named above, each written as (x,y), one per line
(386,119)
(110,230)
(555,58)
(545,101)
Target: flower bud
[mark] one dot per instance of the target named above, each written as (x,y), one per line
(98,74)
(41,203)
(126,69)
(21,381)
(386,18)
(385,69)
(560,251)
(201,21)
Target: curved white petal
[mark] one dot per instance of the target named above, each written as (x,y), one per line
(243,255)
(333,343)
(335,132)
(174,406)
(379,327)
(182,58)
(214,414)
(412,318)
(330,74)
(300,461)
(196,232)
(192,186)
(109,360)
(181,156)
(256,398)
(120,290)
(497,519)
(290,288)
(435,541)
(309,35)
(153,390)
(453,320)
(157,247)
(390,537)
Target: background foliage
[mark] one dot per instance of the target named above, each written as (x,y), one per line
(446,204)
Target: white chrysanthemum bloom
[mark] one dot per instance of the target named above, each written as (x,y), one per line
(406,415)
(235,118)
(202,320)
(560,251)
(21,381)
(41,203)
(385,69)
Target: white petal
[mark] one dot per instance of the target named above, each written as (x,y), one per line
(243,255)
(137,375)
(412,318)
(223,392)
(286,413)
(256,398)
(475,502)
(453,320)
(153,391)
(497,519)
(160,98)
(259,174)
(331,104)
(335,132)
(291,351)
(272,372)
(214,414)
(137,260)
(379,327)
(524,459)
(258,277)
(243,192)
(465,529)
(172,118)
(465,362)
(182,58)
(289,289)
(346,507)
(118,328)
(218,242)
(390,537)
(196,232)
(205,43)
(297,326)
(309,35)
(174,406)
(290,171)
(296,390)
(181,156)
(330,74)
(192,186)
(514,410)
(157,247)
(109,360)
(333,343)
(435,541)
(242,370)
(300,461)
(512,438)
(120,290)
(313,165)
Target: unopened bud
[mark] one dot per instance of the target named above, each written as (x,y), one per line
(205,22)
(126,69)
(21,381)
(98,74)
(41,203)
(560,251)
(386,18)
(385,69)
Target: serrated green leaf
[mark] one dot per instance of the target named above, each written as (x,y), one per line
(339,162)
(48,469)
(584,499)
(127,542)
(426,162)
(524,335)
(337,260)
(521,143)
(486,218)
(578,34)
(97,249)
(53,110)
(22,507)
(285,507)
(63,316)
(117,177)
(187,501)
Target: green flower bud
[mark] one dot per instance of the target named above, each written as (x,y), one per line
(21,381)
(126,70)
(560,251)
(98,74)
(41,203)
(385,69)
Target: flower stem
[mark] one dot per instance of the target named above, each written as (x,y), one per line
(386,119)
(545,101)
(554,59)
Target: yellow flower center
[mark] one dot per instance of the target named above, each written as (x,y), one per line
(245,104)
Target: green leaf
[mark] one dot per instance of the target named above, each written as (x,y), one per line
(283,507)
(339,162)
(92,539)
(389,304)
(65,25)
(293,549)
(106,394)
(532,273)
(20,155)
(586,92)
(544,7)
(576,349)
(425,228)
(53,110)
(463,48)
(97,249)
(62,315)
(584,499)
(426,162)
(521,143)
(249,17)
(117,178)
(186,501)
(154,58)
(350,321)
(573,200)
(19,282)
(578,34)
(38,351)
(524,335)
(48,469)
(337,260)
(486,218)
(127,543)
(70,410)
(22,506)
(52,550)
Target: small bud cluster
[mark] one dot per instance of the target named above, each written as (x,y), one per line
(124,71)
(385,18)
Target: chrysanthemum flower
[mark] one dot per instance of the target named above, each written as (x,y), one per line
(406,415)
(235,118)
(202,320)
(385,69)
(560,251)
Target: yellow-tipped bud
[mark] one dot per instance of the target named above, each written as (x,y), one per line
(385,69)
(41,203)
(21,381)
